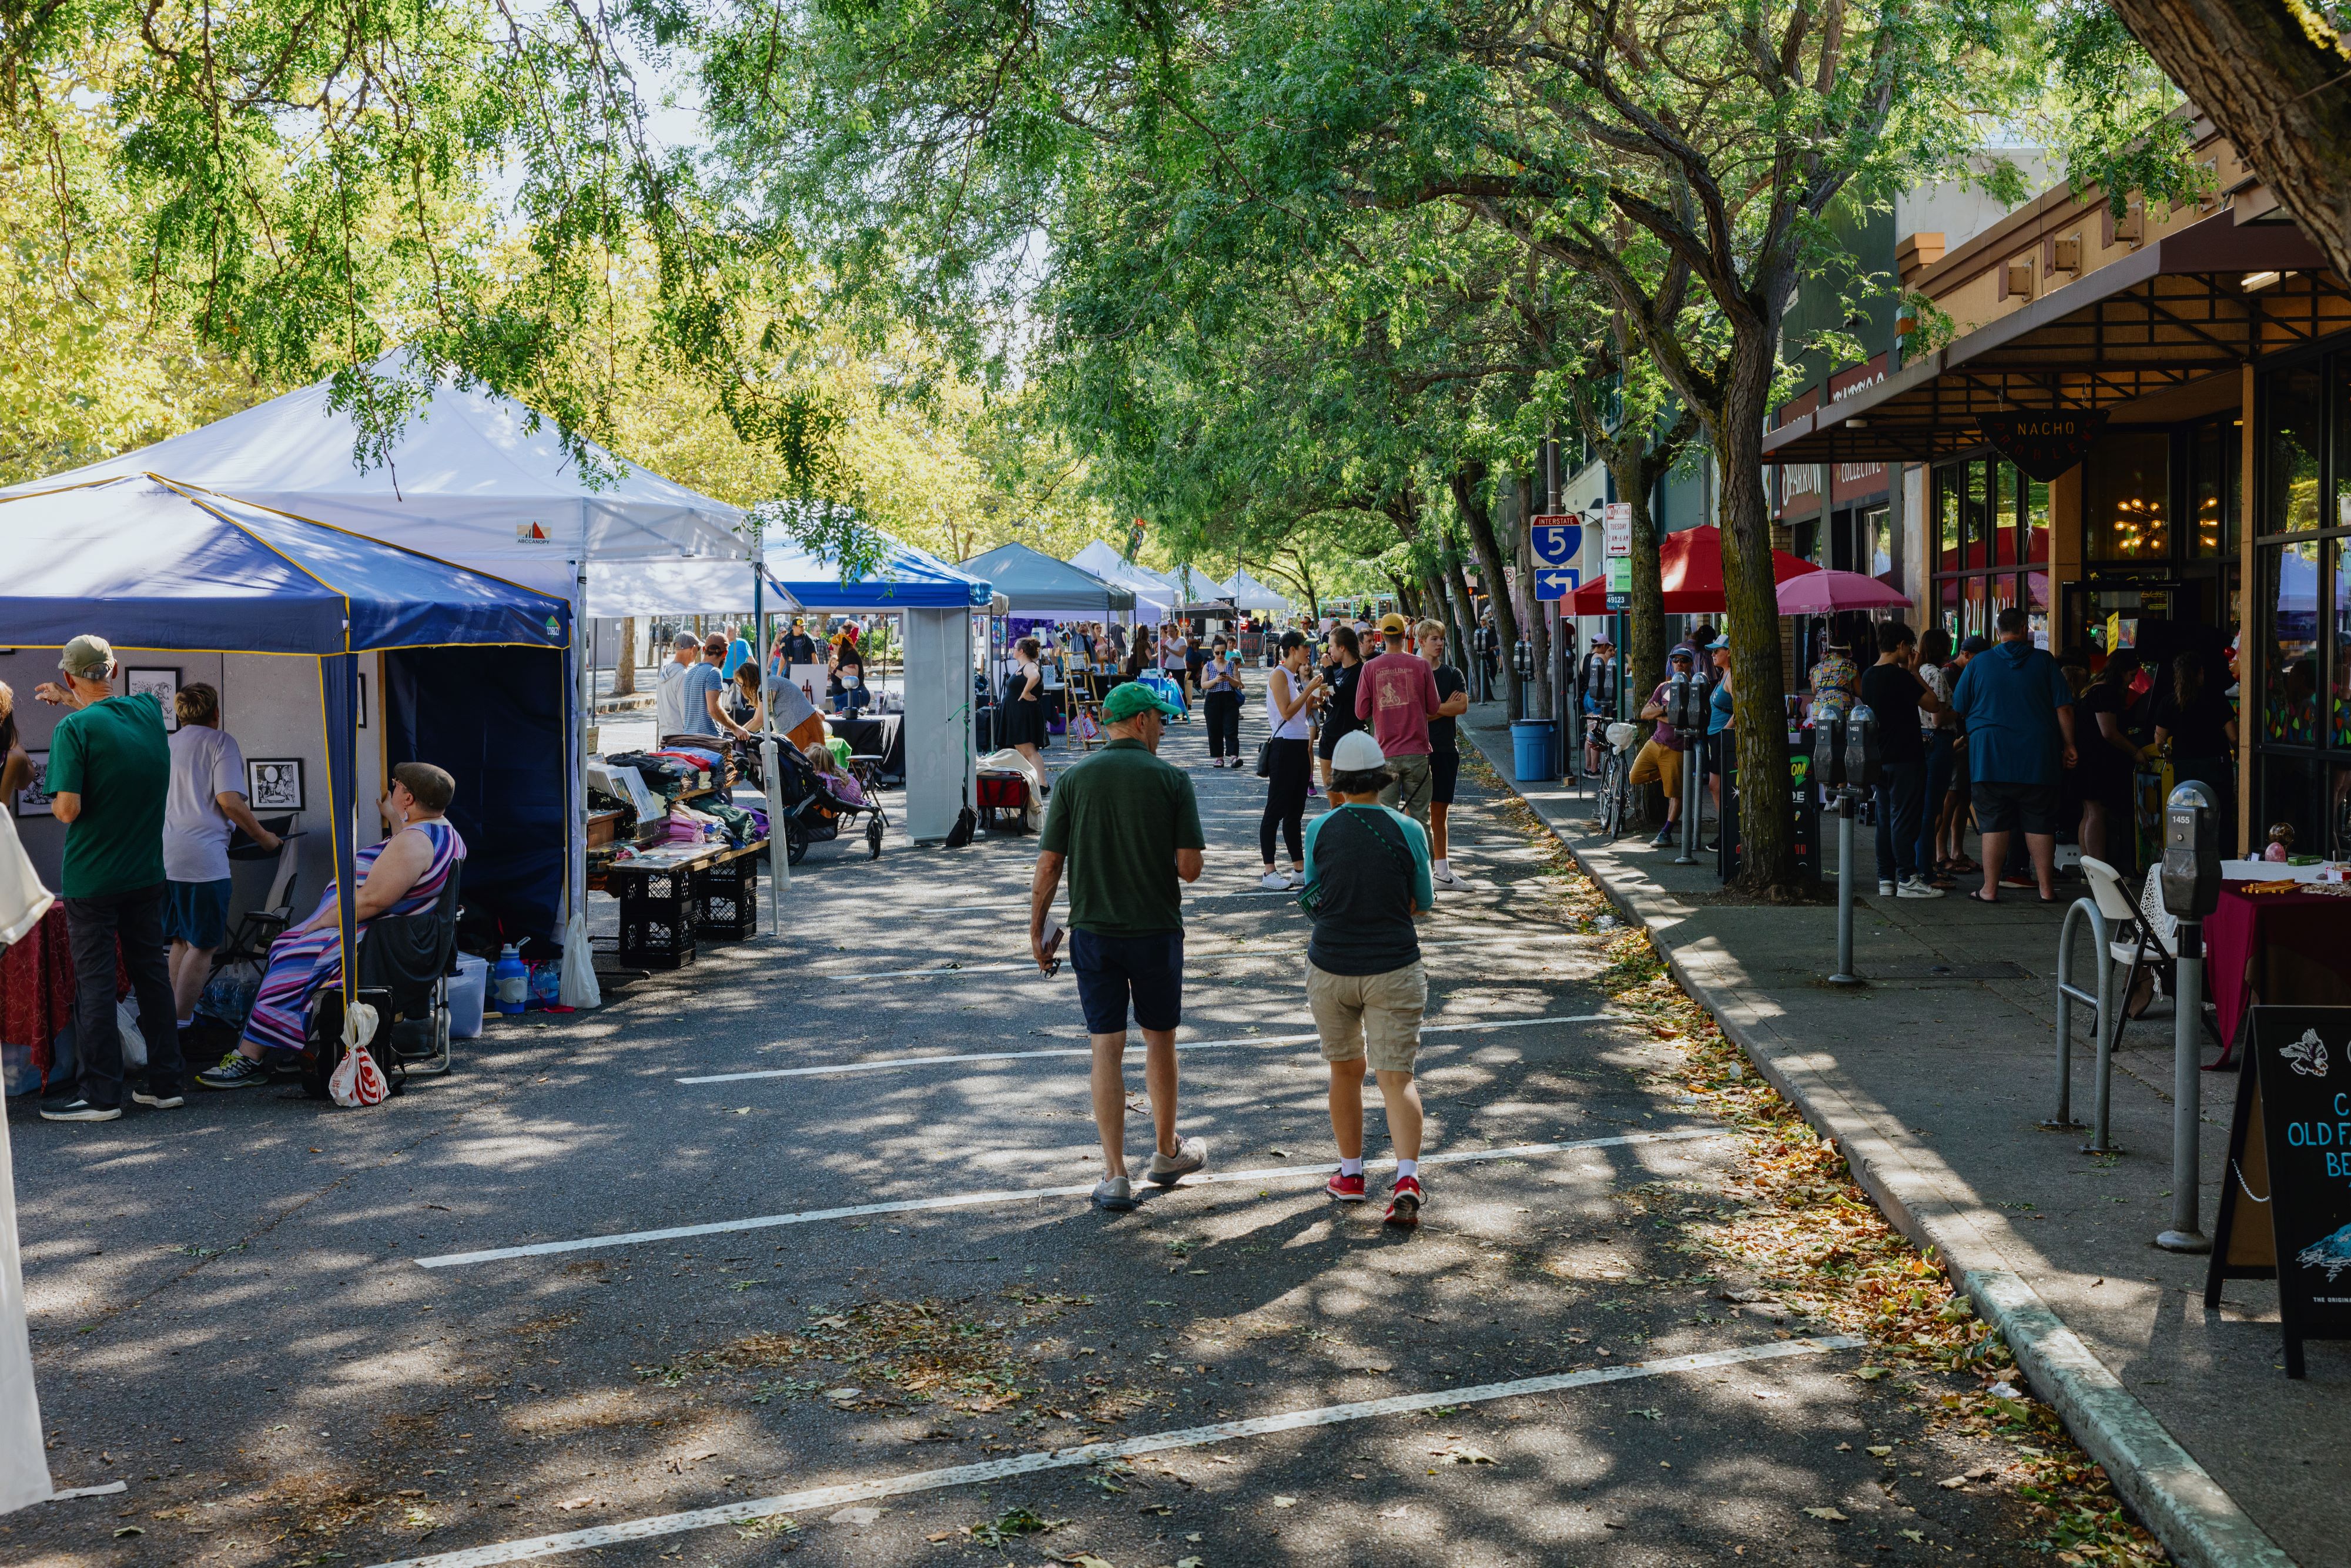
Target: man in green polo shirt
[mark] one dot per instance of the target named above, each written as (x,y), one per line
(1127,826)
(109,773)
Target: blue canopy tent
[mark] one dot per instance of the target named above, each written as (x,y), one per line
(907,578)
(149,563)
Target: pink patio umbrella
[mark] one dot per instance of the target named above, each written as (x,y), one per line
(1826,592)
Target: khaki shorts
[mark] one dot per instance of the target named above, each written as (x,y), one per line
(1383,1011)
(1409,787)
(1662,763)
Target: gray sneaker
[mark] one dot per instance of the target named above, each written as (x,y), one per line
(235,1070)
(1115,1194)
(1190,1155)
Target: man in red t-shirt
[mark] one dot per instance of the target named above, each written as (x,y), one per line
(1396,696)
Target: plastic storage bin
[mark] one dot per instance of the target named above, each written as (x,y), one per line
(469,988)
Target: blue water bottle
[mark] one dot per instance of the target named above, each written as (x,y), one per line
(510,981)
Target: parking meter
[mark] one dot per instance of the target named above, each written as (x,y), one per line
(1522,660)
(2191,853)
(1861,749)
(1686,699)
(1828,751)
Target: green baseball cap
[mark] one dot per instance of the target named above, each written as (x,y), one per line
(1125,701)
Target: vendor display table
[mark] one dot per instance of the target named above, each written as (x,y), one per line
(875,735)
(2274,948)
(37,986)
(677,893)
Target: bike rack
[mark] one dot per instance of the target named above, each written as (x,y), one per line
(2067,995)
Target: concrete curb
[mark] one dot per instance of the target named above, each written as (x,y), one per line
(2198,1522)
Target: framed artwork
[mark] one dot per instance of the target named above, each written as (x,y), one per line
(33,799)
(363,702)
(273,783)
(163,686)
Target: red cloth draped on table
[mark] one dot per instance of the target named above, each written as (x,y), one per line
(37,988)
(2274,948)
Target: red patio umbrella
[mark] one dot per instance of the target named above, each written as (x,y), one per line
(1823,592)
(1691,563)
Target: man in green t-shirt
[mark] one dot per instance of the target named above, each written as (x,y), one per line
(109,773)
(1127,826)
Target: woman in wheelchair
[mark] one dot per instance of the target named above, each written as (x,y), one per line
(405,874)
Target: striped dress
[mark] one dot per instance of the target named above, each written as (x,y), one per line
(303,963)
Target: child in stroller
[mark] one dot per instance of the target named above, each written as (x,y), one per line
(817,796)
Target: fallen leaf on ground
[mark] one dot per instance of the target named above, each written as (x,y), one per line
(853,1516)
(1869,1373)
(1917,1535)
(575,1502)
(1828,1514)
(1881,1449)
(1952,1483)
(1285,1502)
(1463,1455)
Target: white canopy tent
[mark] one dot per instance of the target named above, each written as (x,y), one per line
(473,478)
(1248,593)
(1155,596)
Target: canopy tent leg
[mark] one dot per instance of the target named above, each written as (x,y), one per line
(578,987)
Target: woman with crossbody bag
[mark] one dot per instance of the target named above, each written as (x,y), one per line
(1287,762)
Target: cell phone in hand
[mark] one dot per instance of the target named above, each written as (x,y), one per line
(1054,932)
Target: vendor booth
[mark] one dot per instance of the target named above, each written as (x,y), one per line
(476,479)
(278,612)
(1037,586)
(1253,598)
(935,602)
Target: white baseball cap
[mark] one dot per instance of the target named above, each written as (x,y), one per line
(1357,752)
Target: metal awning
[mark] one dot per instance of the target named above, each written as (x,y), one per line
(2171,313)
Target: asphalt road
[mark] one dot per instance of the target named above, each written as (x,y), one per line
(450,1328)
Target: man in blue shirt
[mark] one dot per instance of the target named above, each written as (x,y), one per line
(2019,714)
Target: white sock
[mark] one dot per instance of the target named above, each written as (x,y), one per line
(1408,1168)
(1441,866)
(1351,1167)
(187,1021)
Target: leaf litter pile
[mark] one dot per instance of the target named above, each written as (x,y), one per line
(1800,1223)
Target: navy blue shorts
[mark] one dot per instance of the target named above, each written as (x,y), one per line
(1444,777)
(1112,970)
(196,913)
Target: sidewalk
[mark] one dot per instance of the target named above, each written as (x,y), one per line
(1933,1079)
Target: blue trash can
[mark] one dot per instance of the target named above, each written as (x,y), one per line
(1531,745)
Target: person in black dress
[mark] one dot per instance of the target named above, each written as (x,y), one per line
(2196,722)
(1024,706)
(2109,756)
(1341,667)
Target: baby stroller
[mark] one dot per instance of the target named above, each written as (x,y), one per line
(814,811)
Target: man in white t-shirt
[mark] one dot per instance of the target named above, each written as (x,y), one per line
(669,695)
(206,797)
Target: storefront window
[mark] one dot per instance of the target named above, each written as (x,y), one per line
(1975,514)
(2004,515)
(2036,521)
(1947,519)
(2125,494)
(2212,463)
(1947,608)
(2290,577)
(2291,500)
(2338,561)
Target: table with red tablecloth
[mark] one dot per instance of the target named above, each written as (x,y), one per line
(37,988)
(2275,947)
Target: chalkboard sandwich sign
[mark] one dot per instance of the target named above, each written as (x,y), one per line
(2285,1198)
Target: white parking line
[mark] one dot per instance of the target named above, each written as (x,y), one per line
(967,1199)
(891,1064)
(818,1498)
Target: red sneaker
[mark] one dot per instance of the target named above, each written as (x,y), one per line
(1404,1199)
(1345,1188)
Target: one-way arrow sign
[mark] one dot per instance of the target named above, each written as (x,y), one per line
(1556,584)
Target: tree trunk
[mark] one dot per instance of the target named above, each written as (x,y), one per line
(1461,639)
(1537,619)
(1766,829)
(1467,482)
(2257,68)
(624,672)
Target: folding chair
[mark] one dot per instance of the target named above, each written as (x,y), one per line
(2149,939)
(249,938)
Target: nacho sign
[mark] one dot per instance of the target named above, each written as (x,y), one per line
(2044,443)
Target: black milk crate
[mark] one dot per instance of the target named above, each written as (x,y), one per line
(657,925)
(727,900)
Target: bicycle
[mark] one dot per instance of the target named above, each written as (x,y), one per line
(1615,802)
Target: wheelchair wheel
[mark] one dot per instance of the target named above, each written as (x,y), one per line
(873,837)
